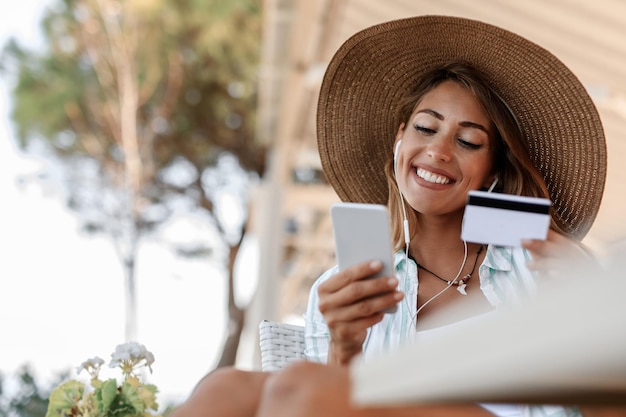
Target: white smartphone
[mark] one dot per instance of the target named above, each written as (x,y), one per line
(362,234)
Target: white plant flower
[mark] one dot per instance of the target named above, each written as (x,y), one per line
(130,397)
(92,366)
(149,357)
(129,356)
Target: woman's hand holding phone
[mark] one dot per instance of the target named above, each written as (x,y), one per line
(351,304)
(365,287)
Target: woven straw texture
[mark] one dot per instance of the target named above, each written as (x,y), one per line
(376,67)
(281,344)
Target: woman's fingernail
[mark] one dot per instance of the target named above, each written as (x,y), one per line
(392,282)
(375,264)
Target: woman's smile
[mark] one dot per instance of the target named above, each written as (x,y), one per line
(432,177)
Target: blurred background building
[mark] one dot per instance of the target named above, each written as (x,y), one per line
(291,209)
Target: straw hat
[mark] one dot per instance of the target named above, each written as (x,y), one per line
(371,71)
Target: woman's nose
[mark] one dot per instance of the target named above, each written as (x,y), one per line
(440,149)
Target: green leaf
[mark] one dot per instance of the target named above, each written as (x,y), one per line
(148,396)
(64,398)
(106,394)
(130,395)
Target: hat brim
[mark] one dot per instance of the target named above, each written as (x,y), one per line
(371,71)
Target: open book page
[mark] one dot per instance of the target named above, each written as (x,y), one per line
(569,346)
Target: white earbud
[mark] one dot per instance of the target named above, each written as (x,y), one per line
(395,156)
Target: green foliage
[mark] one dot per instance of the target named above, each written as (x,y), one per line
(129,93)
(107,400)
(130,398)
(27,399)
(193,64)
(106,394)
(63,399)
(30,399)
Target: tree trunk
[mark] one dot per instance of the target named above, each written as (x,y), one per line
(236,315)
(130,283)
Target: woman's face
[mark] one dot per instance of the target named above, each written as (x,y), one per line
(446,150)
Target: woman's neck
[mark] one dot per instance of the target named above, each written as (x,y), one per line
(441,255)
(437,243)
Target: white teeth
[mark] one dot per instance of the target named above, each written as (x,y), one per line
(431,177)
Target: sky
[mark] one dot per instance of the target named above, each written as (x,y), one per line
(61,292)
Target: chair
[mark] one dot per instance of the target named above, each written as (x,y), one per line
(281,344)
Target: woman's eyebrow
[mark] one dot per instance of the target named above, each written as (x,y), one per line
(432,113)
(463,124)
(475,126)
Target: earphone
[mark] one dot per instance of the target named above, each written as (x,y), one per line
(395,154)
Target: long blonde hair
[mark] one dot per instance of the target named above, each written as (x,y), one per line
(515,171)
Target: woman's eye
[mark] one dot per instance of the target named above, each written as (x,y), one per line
(424,129)
(469,145)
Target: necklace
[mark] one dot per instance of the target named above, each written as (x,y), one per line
(461,283)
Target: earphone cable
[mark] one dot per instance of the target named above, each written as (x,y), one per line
(458,274)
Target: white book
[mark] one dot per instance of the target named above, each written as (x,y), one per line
(567,347)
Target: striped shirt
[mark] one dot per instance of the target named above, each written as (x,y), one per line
(505,281)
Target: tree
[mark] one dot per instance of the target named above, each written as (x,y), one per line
(128,95)
(28,399)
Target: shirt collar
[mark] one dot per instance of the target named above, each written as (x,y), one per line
(499,258)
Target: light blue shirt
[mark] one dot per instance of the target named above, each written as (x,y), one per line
(505,281)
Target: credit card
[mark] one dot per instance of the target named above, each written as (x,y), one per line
(504,219)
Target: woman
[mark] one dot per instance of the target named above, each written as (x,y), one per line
(509,115)
(454,136)
(485,109)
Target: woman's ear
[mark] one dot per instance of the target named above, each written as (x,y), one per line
(400,131)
